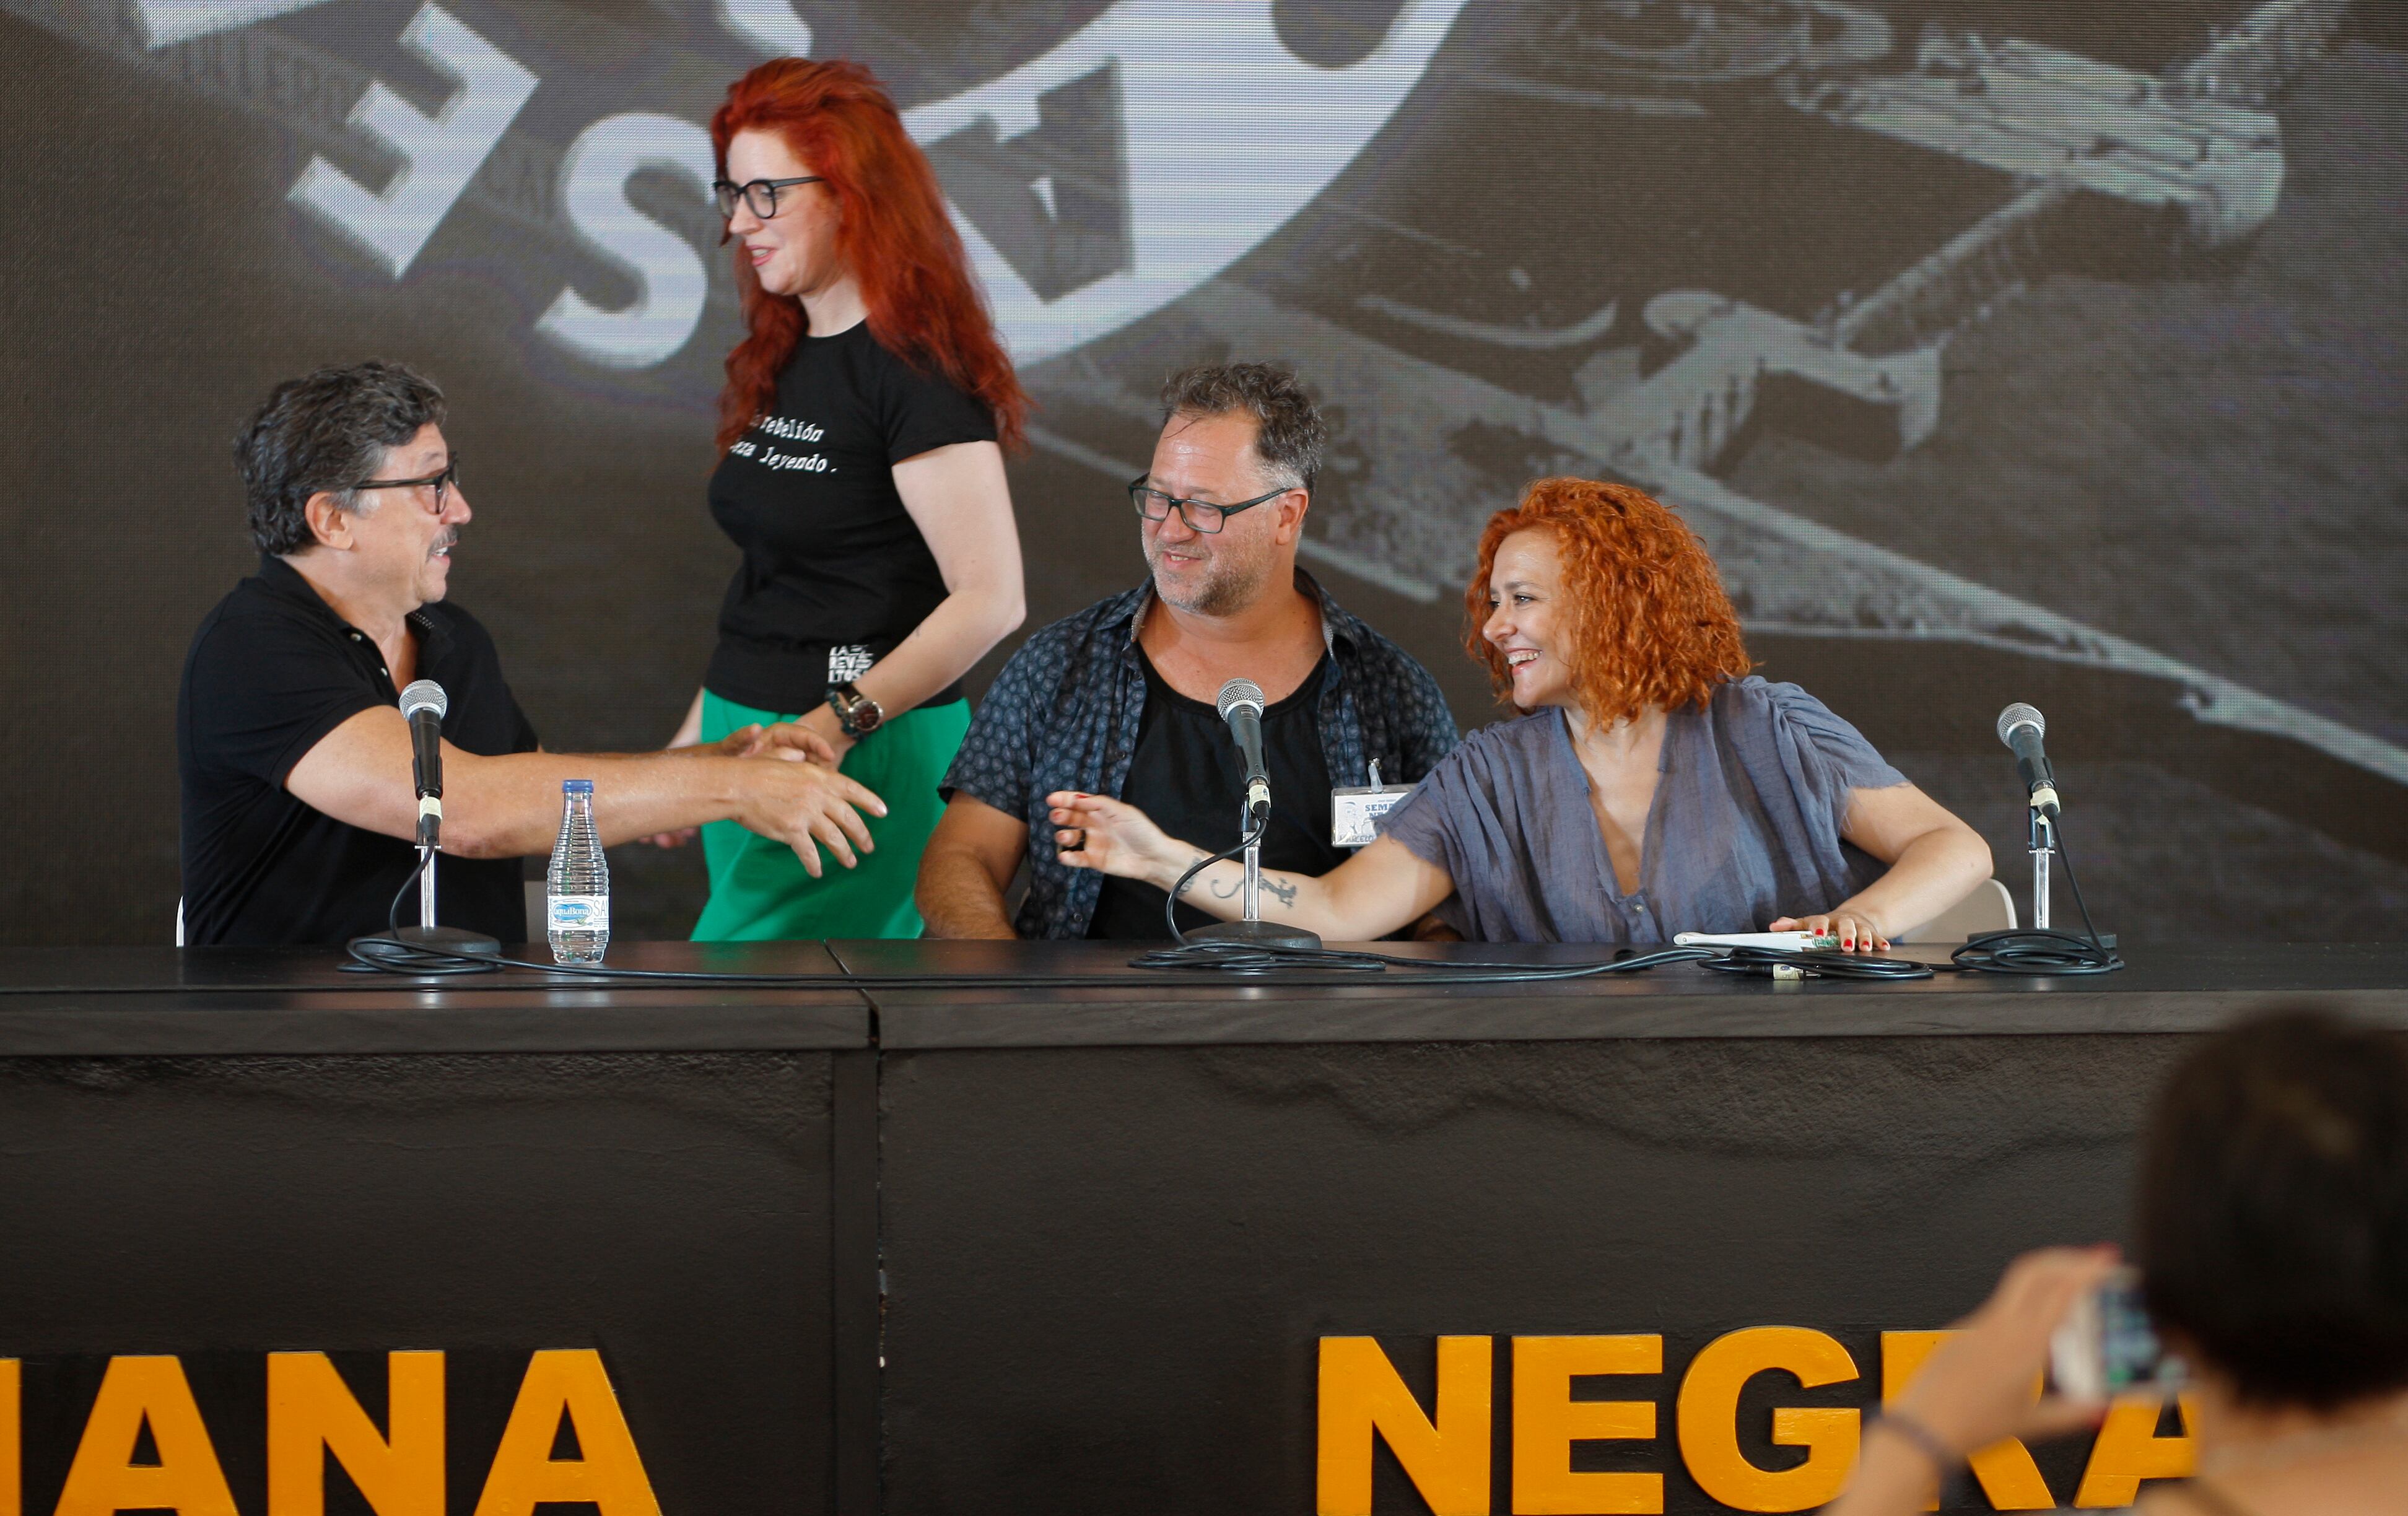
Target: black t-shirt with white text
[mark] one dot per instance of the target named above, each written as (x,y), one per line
(1185,774)
(835,571)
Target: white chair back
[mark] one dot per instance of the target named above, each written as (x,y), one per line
(1988,909)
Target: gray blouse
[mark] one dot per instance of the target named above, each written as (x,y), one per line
(1744,828)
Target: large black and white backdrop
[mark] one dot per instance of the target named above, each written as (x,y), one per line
(2040,350)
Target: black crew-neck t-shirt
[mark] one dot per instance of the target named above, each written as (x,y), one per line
(271,671)
(835,571)
(1186,775)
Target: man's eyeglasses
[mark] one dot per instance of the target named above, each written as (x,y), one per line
(442,482)
(1200,515)
(761,194)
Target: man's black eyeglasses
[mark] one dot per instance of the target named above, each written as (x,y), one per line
(761,194)
(1200,515)
(442,482)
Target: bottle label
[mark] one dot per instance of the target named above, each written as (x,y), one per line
(579,912)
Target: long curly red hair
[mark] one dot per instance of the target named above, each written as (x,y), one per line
(899,243)
(1648,618)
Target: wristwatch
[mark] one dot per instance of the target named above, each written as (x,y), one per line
(858,714)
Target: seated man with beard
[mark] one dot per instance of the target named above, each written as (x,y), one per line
(1119,699)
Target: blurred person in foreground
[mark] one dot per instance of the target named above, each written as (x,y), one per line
(2273,1253)
(1651,785)
(295,759)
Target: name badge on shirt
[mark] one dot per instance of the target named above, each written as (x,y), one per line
(1354,808)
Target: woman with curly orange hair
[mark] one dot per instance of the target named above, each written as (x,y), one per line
(1650,786)
(861,472)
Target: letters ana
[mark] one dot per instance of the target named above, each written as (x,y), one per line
(313,1416)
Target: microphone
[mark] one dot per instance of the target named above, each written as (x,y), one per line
(2021,727)
(1241,707)
(422,706)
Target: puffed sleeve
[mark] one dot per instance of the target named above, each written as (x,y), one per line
(1827,758)
(1449,808)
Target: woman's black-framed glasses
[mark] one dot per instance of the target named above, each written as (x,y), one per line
(1202,516)
(761,194)
(442,482)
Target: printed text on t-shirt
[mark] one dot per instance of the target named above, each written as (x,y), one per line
(787,429)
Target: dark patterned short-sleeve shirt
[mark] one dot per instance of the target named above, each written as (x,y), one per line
(1064,715)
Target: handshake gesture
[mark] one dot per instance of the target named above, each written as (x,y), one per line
(787,787)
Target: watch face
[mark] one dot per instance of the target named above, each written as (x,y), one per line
(866,715)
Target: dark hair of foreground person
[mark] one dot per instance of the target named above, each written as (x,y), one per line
(2273,1208)
(2273,1214)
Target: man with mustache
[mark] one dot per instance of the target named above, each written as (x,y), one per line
(298,805)
(1119,699)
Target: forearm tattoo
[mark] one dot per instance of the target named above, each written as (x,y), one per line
(1273,884)
(1186,883)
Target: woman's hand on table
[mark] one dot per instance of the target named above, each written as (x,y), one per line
(1857,932)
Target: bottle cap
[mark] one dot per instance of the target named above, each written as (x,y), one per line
(576,786)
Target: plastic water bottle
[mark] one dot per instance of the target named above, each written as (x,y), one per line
(577,887)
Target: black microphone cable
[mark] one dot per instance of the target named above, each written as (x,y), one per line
(2032,951)
(395,954)
(392,955)
(1816,964)
(1303,967)
(1170,902)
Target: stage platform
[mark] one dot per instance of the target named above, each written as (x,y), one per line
(1016,1227)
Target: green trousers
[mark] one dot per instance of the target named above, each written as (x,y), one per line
(758,889)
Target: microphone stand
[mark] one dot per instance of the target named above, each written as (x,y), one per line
(2044,842)
(426,934)
(1253,928)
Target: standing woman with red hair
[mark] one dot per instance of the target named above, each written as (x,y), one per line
(861,472)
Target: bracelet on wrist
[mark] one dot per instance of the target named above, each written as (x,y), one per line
(1942,1457)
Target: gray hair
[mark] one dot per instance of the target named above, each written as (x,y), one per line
(1290,434)
(327,431)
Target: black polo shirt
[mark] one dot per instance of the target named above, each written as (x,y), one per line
(271,671)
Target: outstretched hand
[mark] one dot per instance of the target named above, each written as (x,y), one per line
(794,793)
(1977,1389)
(1111,836)
(786,740)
